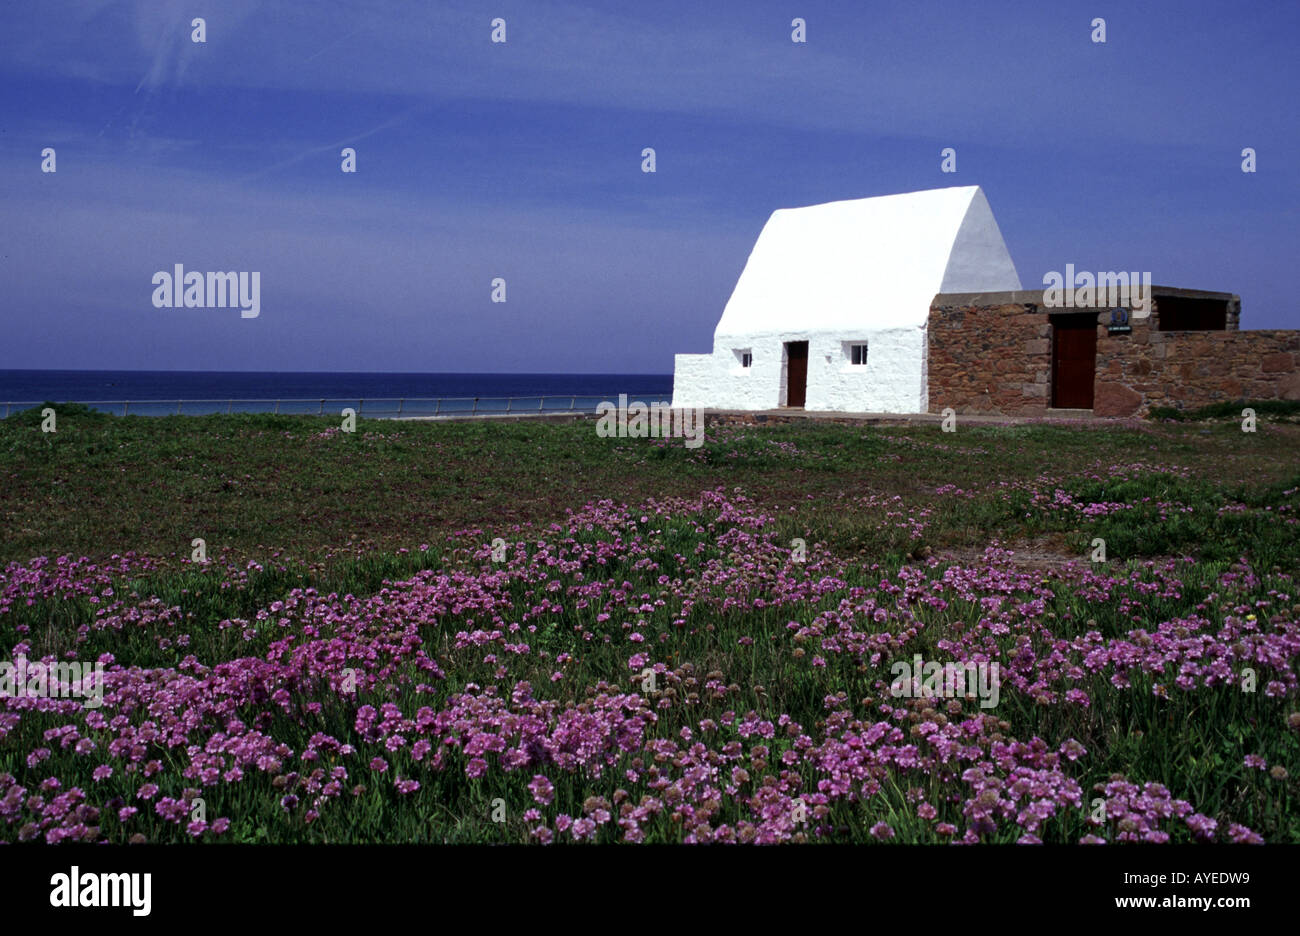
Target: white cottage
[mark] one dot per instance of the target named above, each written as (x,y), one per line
(830,312)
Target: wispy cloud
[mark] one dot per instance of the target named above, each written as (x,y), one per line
(333,147)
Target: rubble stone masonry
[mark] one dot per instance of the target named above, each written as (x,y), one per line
(992,353)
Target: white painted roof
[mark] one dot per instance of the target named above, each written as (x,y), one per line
(868,263)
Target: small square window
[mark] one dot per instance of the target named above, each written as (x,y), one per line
(858,355)
(746,359)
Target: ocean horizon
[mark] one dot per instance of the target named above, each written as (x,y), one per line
(261,390)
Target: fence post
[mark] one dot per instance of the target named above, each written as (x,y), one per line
(509,401)
(474,411)
(437,408)
(573,404)
(361,404)
(399,405)
(178,407)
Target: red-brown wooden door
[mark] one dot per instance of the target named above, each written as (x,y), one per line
(796,374)
(1074,360)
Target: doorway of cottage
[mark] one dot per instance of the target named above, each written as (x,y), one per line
(796,373)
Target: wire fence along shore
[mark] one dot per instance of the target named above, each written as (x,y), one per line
(383,408)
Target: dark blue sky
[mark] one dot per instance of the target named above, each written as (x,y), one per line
(523,160)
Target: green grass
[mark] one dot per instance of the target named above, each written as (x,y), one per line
(1228,410)
(256,484)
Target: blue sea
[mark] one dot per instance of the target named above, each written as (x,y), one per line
(157,393)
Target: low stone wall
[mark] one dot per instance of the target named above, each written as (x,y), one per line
(992,354)
(1187,370)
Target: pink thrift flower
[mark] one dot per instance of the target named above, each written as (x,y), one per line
(543,791)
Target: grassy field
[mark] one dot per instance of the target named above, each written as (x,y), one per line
(664,644)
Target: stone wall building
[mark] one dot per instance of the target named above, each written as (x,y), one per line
(1007,353)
